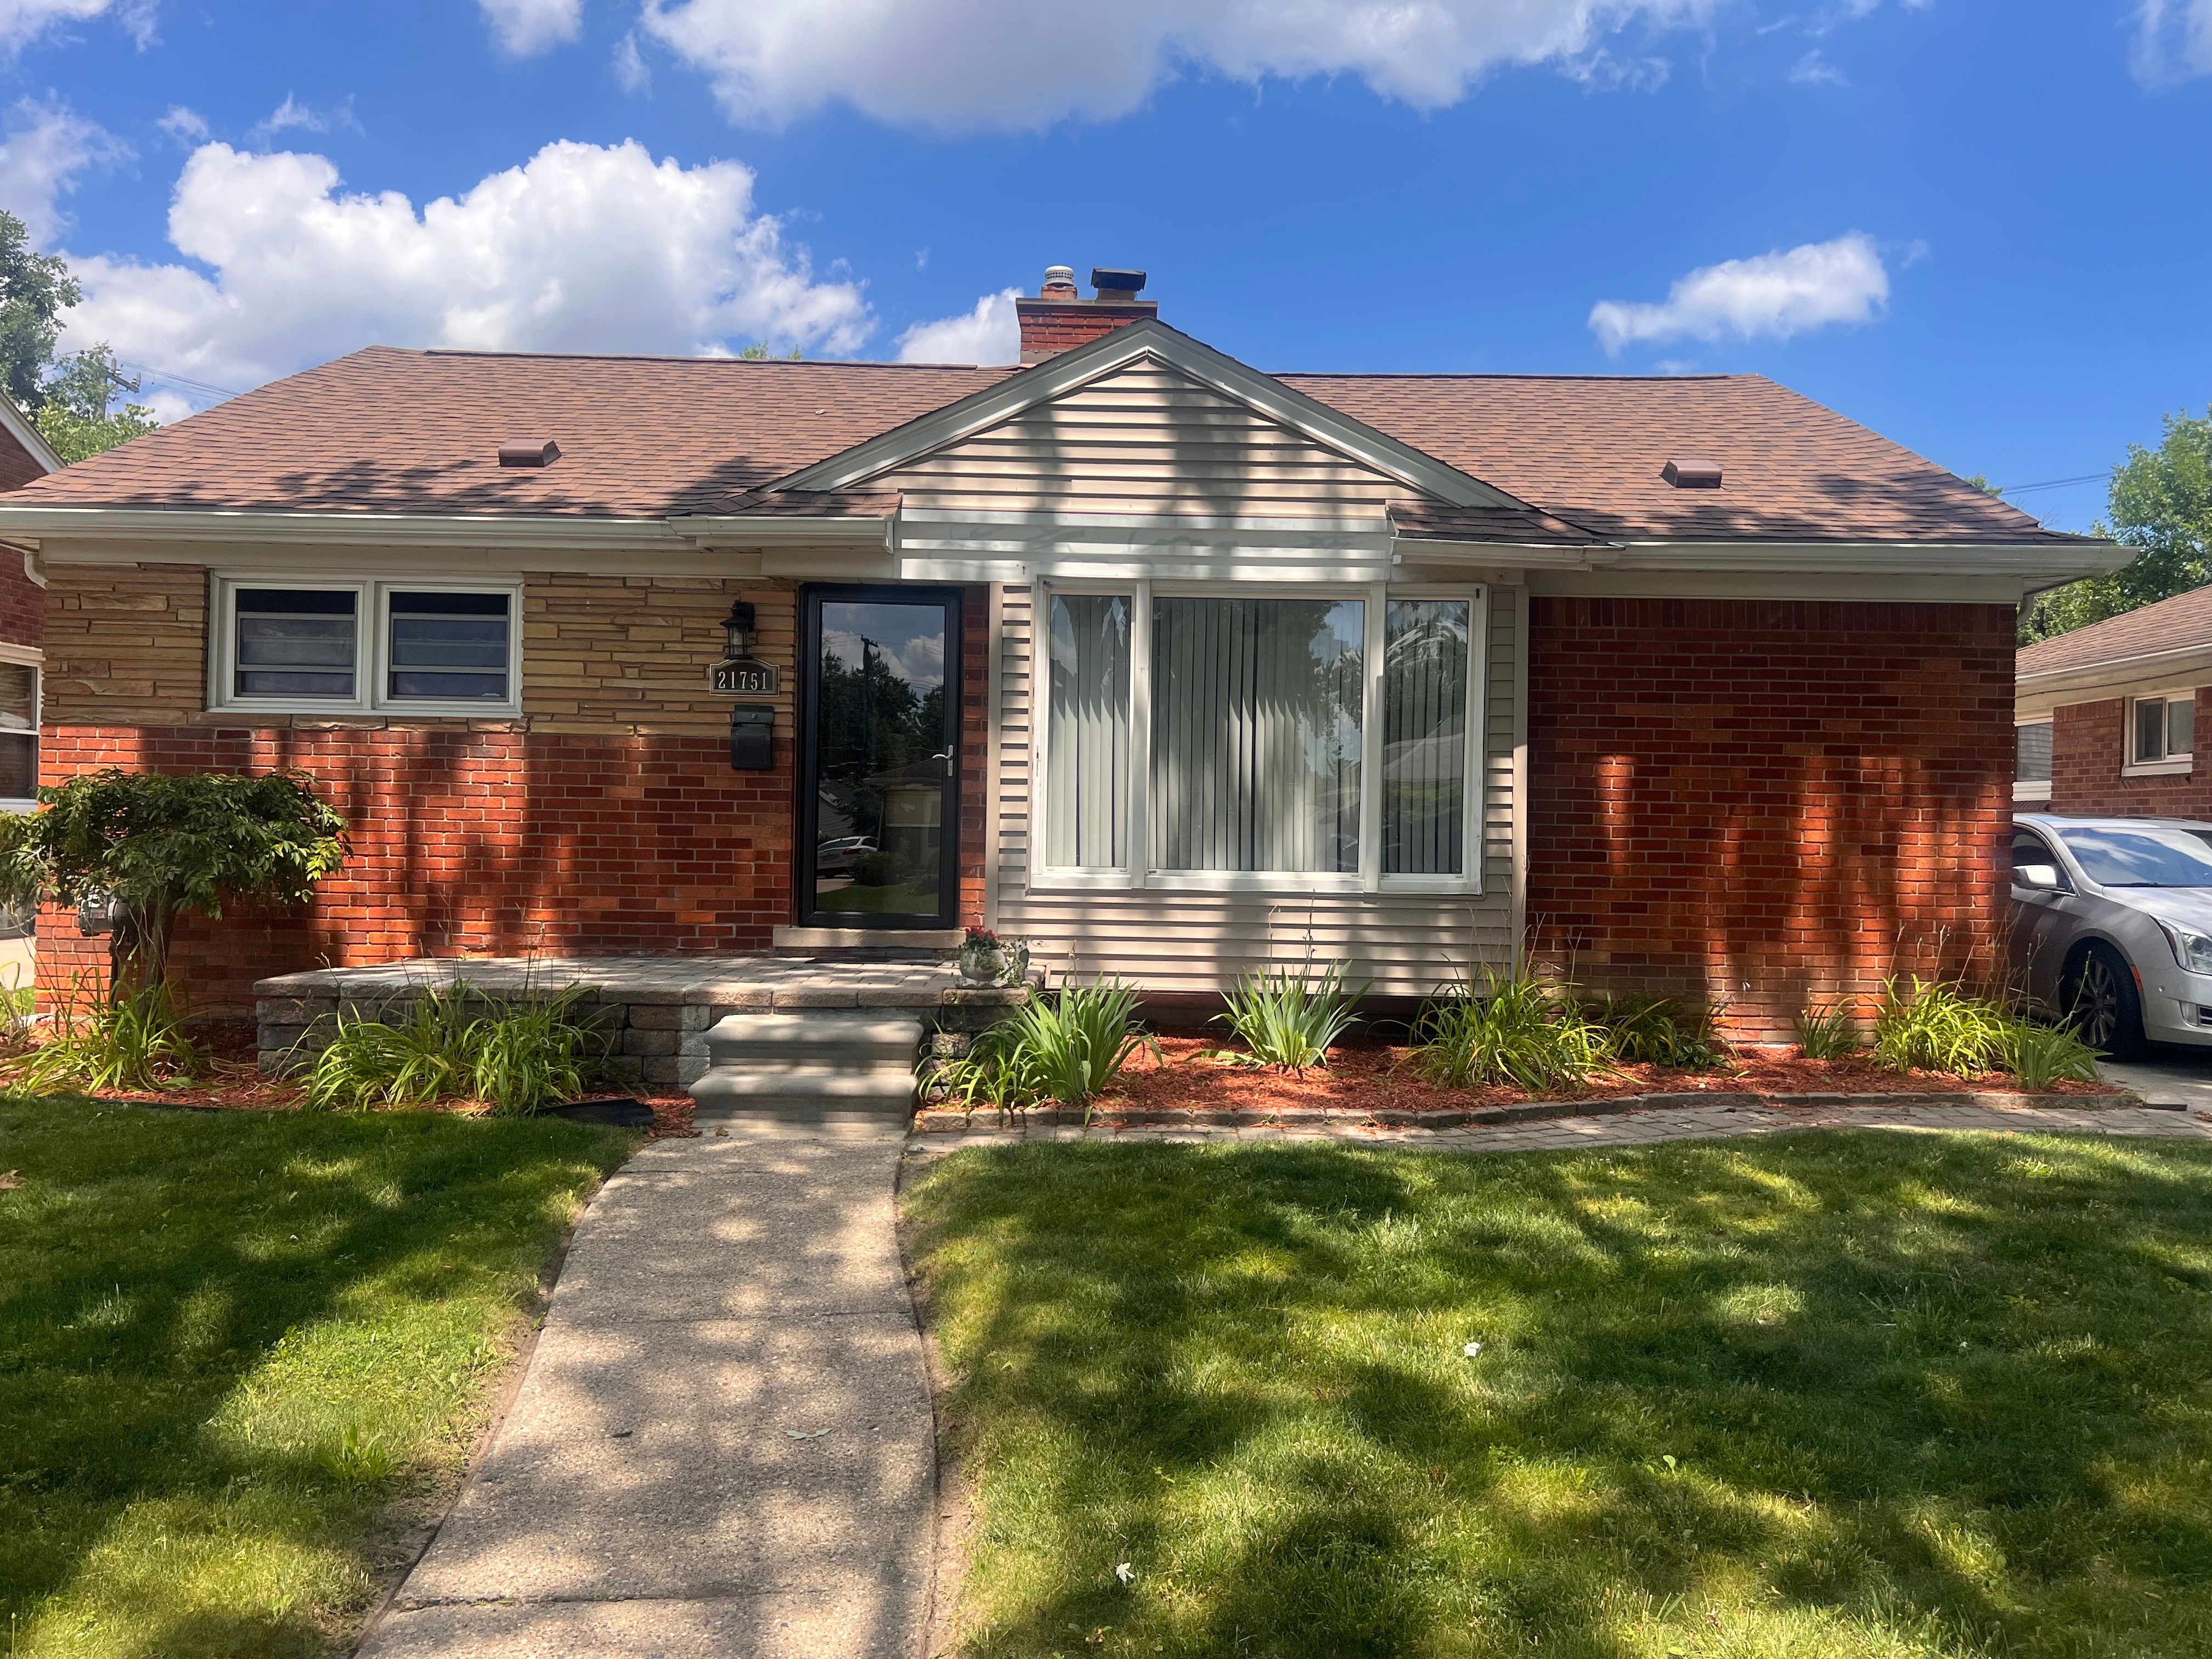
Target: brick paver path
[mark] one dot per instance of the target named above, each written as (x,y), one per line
(1631,1129)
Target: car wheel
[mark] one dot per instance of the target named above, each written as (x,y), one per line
(2107,1008)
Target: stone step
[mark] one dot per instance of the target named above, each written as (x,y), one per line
(864,1040)
(810,1096)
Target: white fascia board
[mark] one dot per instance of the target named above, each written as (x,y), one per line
(782,530)
(2116,673)
(2032,561)
(52,527)
(1110,353)
(20,429)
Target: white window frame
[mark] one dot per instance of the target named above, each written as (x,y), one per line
(30,657)
(2022,789)
(372,651)
(2167,766)
(1135,875)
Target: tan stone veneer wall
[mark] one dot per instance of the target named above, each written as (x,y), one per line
(605,818)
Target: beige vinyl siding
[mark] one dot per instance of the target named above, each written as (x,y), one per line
(1179,940)
(1145,439)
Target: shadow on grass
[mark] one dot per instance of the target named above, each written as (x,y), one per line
(234,1350)
(1855,1392)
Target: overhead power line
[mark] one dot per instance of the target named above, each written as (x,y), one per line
(2053,483)
(146,371)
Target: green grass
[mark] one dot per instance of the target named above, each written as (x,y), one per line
(240,1354)
(1834,1396)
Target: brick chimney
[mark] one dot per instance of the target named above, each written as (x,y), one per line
(1058,320)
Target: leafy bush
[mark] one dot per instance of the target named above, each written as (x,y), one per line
(138,1042)
(2040,1055)
(1939,1026)
(1661,1030)
(1287,1021)
(1067,1048)
(1511,1028)
(516,1054)
(1827,1030)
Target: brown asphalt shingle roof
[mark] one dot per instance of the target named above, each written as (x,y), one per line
(2172,624)
(386,430)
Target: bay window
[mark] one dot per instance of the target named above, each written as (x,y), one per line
(362,647)
(1306,741)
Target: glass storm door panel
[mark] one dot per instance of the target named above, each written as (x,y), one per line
(881,806)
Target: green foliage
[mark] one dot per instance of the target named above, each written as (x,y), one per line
(2160,503)
(77,418)
(1067,1047)
(1937,1025)
(162,845)
(138,1041)
(1509,1028)
(758,352)
(1823,1395)
(2040,1055)
(245,1353)
(1289,1022)
(1661,1030)
(1827,1030)
(518,1054)
(35,289)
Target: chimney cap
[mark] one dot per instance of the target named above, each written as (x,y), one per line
(1059,279)
(1121,283)
(529,452)
(1692,472)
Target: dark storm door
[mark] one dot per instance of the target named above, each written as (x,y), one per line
(879,758)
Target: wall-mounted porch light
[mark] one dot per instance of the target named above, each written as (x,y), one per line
(738,628)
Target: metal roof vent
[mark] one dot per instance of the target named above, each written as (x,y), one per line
(1691,472)
(1116,286)
(529,452)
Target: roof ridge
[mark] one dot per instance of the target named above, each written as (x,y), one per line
(672,357)
(1487,374)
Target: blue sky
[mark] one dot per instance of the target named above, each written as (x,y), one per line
(1977,227)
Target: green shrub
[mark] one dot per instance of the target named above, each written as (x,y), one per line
(1827,1030)
(2040,1055)
(1937,1025)
(1287,1021)
(1067,1048)
(137,1043)
(1661,1030)
(517,1054)
(1511,1028)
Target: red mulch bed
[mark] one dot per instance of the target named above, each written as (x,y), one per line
(1365,1075)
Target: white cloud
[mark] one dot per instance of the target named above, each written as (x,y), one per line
(1771,297)
(525,27)
(989,334)
(293,116)
(1814,70)
(1012,64)
(582,249)
(2173,40)
(23,22)
(632,74)
(186,126)
(47,146)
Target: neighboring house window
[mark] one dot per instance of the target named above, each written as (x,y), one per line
(2031,760)
(19,735)
(2162,730)
(364,646)
(1217,739)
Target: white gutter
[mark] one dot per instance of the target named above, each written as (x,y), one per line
(2138,666)
(43,527)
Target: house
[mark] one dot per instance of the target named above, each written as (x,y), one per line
(1173,667)
(2106,717)
(24,457)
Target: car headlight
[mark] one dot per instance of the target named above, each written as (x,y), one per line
(2192,951)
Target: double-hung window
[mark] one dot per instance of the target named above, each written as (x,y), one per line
(1303,740)
(2161,730)
(19,731)
(363,647)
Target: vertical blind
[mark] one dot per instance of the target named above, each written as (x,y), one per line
(1256,709)
(1425,674)
(1087,747)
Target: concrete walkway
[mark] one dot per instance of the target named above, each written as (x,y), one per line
(723,1443)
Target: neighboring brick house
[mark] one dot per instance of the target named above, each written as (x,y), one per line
(1176,669)
(2110,718)
(25,457)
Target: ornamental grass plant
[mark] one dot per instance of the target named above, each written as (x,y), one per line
(1067,1047)
(135,1042)
(516,1054)
(1289,1020)
(1509,1027)
(1661,1030)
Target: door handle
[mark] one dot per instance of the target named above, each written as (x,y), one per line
(944,759)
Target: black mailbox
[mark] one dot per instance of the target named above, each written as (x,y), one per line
(752,739)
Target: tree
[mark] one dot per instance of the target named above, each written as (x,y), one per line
(76,418)
(2161,504)
(35,289)
(156,847)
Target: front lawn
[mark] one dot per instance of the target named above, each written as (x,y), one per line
(1836,1396)
(242,1355)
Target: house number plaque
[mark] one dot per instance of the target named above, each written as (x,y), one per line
(742,677)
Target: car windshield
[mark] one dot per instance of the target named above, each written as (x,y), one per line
(2141,858)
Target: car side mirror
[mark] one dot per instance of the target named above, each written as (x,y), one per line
(2037,877)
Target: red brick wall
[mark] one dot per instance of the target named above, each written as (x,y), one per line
(18,466)
(1767,802)
(2088,747)
(22,603)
